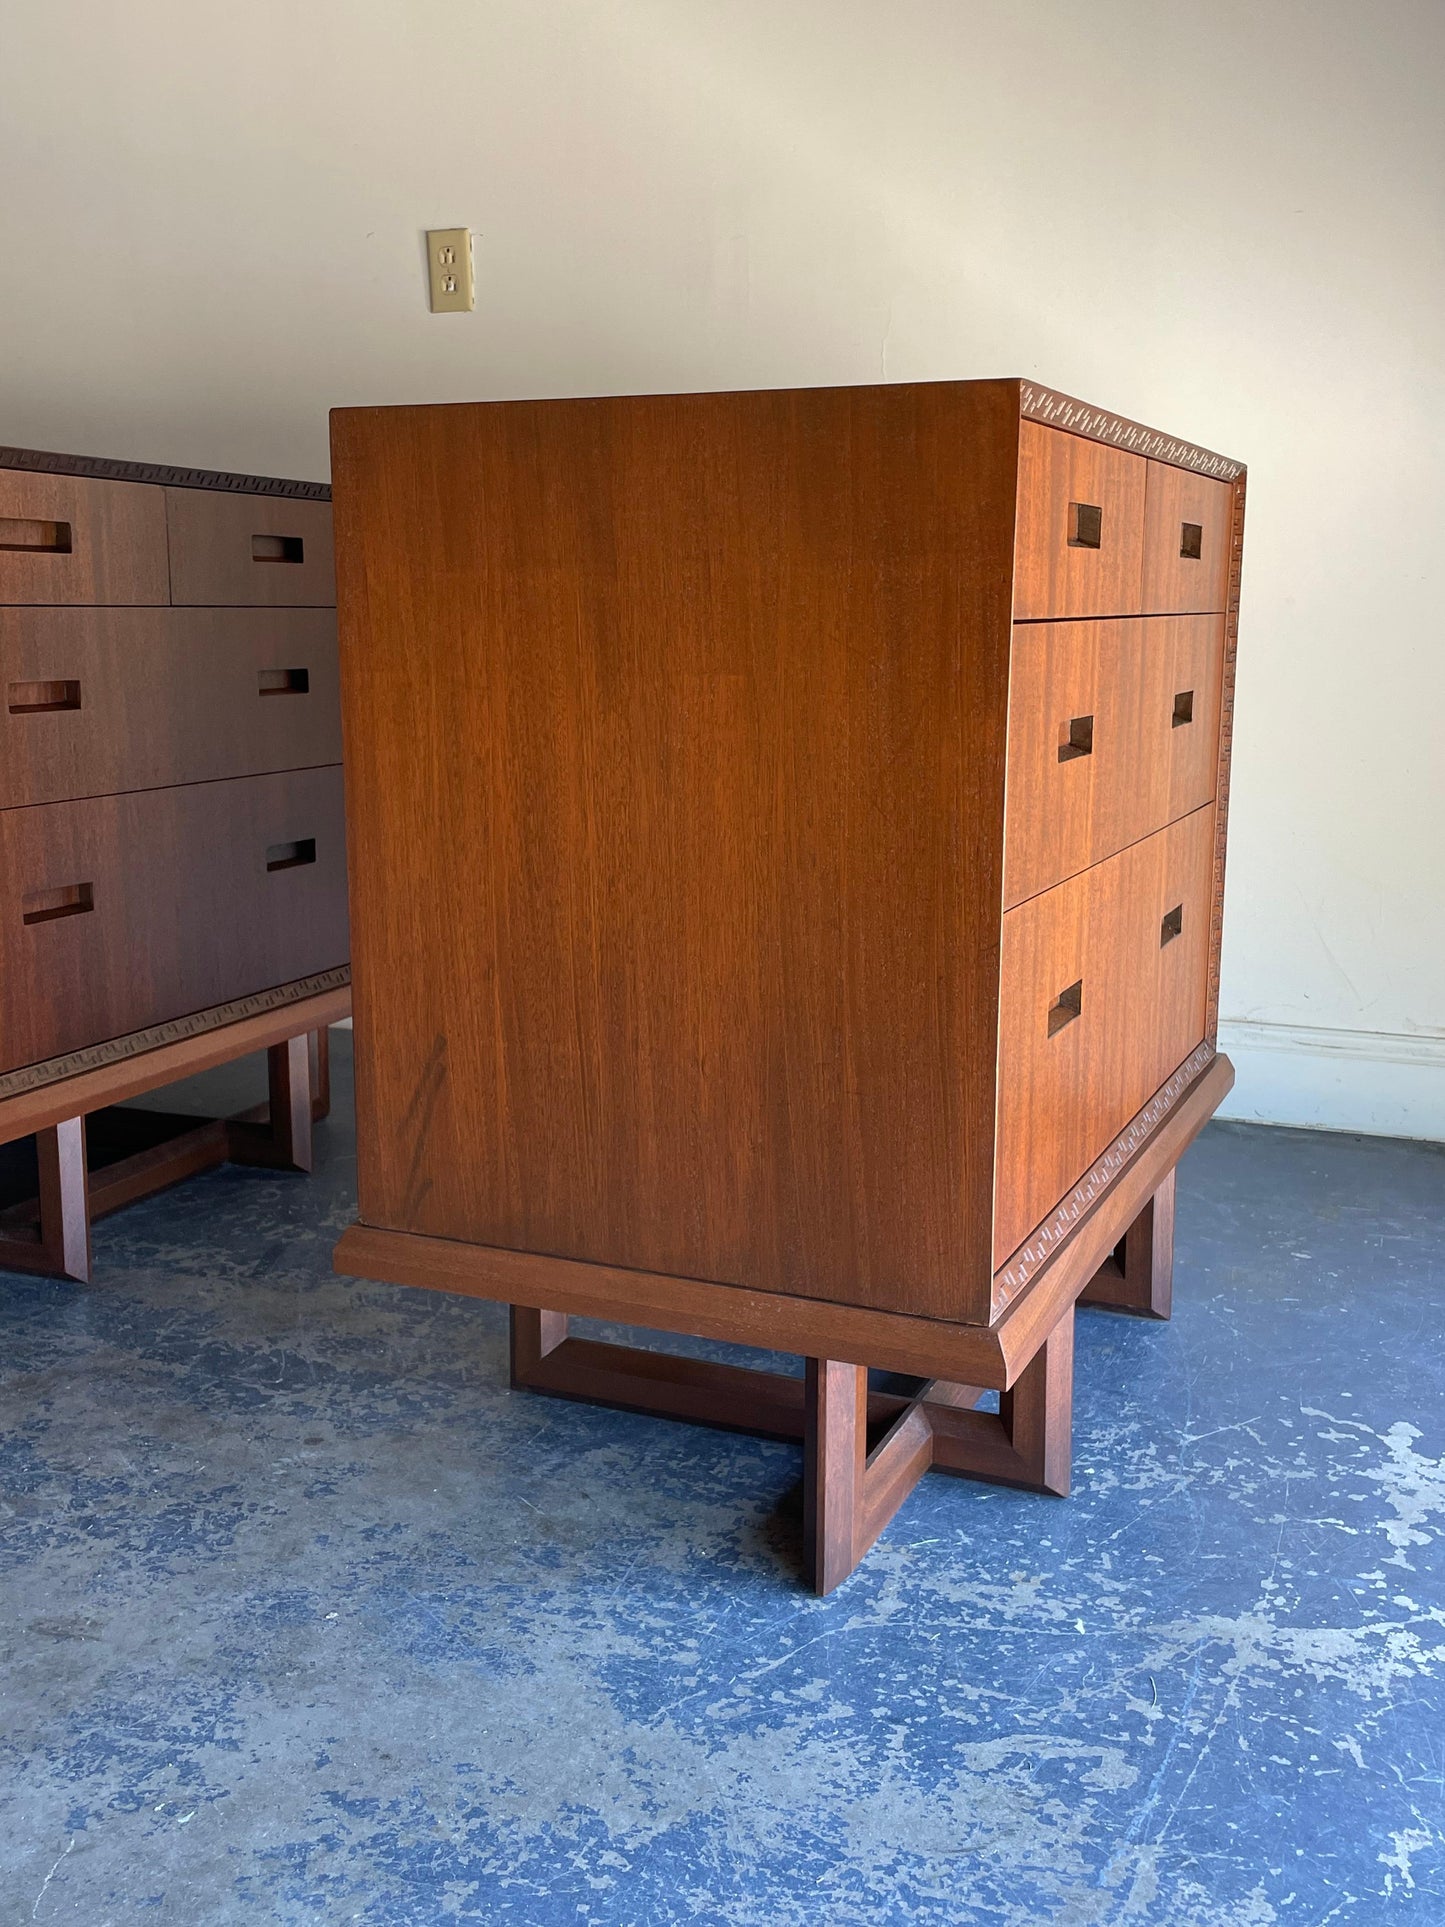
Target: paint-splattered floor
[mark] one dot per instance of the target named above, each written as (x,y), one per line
(305,1618)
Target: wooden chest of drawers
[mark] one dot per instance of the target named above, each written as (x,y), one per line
(172,849)
(787,839)
(172,843)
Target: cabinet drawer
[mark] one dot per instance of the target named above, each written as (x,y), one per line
(1102,997)
(64,538)
(1186,541)
(1113,732)
(100,700)
(123,911)
(1079,542)
(234,550)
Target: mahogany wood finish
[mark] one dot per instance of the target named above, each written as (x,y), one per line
(96,701)
(64,538)
(769,830)
(171,827)
(233,550)
(785,849)
(1113,731)
(1129,940)
(1186,540)
(1065,565)
(184,904)
(991,1356)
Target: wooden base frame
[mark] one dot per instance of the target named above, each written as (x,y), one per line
(50,1233)
(1139,1274)
(865,1446)
(863,1450)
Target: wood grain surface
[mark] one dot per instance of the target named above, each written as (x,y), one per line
(249,550)
(64,538)
(141,698)
(123,911)
(1055,576)
(675,742)
(1148,690)
(1181,509)
(1066,1091)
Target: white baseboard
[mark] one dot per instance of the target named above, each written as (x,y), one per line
(1379,1083)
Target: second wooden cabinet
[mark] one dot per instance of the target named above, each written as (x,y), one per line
(172,840)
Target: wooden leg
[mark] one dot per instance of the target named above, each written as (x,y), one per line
(1028,1441)
(59,1245)
(849,1491)
(281,1139)
(1139,1276)
(320,1074)
(534,1335)
(64,1204)
(835,1457)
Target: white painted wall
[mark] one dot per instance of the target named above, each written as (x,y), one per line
(1227,221)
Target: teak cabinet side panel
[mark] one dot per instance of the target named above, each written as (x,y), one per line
(675,747)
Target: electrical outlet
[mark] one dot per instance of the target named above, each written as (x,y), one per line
(449,262)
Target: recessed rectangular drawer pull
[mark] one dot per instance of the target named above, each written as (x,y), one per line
(1172,925)
(277,548)
(34,698)
(1183,708)
(1191,540)
(1066,1007)
(283,682)
(70,900)
(1077,739)
(46,538)
(1086,524)
(289,856)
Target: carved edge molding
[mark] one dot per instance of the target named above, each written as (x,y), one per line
(1226,747)
(115,1050)
(1098,425)
(101,468)
(1010,1281)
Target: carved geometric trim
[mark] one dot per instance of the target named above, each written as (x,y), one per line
(1098,425)
(114,1050)
(1226,748)
(104,469)
(1010,1281)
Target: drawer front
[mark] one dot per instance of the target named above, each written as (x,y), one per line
(1186,541)
(1113,732)
(64,538)
(230,551)
(1102,997)
(101,700)
(123,911)
(1079,543)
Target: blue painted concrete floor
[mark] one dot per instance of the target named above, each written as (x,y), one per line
(307,1618)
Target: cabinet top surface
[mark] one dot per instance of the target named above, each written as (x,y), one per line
(1036,403)
(107,469)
